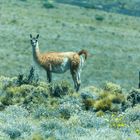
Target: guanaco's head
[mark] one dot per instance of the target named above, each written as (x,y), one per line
(34,40)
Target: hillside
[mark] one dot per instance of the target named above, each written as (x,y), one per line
(111,39)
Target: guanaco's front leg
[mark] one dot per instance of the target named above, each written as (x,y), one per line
(49,74)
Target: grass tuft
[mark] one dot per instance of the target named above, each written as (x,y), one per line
(100,113)
(37,136)
(103,104)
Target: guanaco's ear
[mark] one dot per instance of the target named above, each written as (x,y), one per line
(37,36)
(30,35)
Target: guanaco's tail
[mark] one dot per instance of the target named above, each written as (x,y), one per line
(83,52)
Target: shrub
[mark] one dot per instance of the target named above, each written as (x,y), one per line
(40,111)
(137,131)
(32,78)
(134,97)
(37,136)
(24,94)
(14,122)
(117,121)
(48,4)
(7,82)
(51,124)
(113,88)
(74,120)
(103,104)
(90,120)
(116,107)
(23,90)
(111,98)
(88,104)
(100,113)
(13,132)
(58,89)
(89,96)
(116,98)
(132,114)
(99,17)
(90,92)
(65,113)
(107,133)
(69,107)
(135,127)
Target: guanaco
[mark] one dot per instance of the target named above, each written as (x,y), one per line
(59,62)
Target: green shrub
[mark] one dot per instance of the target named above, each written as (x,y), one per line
(13,133)
(24,94)
(58,89)
(15,93)
(117,98)
(100,113)
(14,122)
(88,103)
(65,113)
(116,107)
(113,88)
(103,104)
(32,78)
(90,120)
(134,97)
(132,114)
(69,106)
(89,96)
(37,136)
(99,17)
(110,98)
(48,4)
(7,82)
(117,121)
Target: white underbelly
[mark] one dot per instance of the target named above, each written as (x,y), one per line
(63,67)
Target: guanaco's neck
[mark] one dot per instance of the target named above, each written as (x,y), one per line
(37,54)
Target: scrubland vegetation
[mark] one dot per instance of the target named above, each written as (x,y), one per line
(31,109)
(107,106)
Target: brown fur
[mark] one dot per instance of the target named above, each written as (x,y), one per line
(56,58)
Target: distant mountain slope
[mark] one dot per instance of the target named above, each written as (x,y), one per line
(128,7)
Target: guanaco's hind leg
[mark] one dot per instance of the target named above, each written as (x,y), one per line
(76,79)
(78,74)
